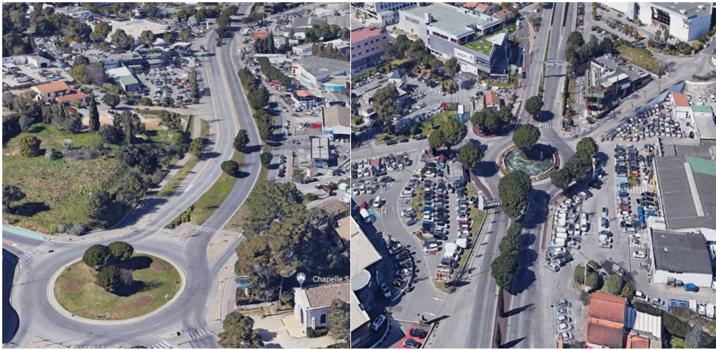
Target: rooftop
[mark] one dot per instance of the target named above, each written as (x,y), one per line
(491,98)
(484,45)
(52,87)
(688,189)
(501,14)
(451,19)
(607,307)
(334,207)
(363,253)
(129,80)
(691,8)
(261,34)
(322,295)
(320,66)
(637,342)
(336,115)
(680,100)
(319,148)
(681,252)
(344,228)
(358,315)
(701,109)
(364,34)
(71,96)
(605,333)
(643,322)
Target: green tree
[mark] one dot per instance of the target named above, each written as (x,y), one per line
(561,178)
(657,35)
(627,291)
(258,98)
(181,137)
(503,270)
(111,100)
(110,134)
(241,141)
(128,128)
(613,284)
(239,332)
(470,155)
(97,255)
(452,132)
(579,274)
(147,37)
(29,146)
(98,206)
(533,106)
(451,66)
(525,137)
(510,245)
(592,280)
(197,146)
(122,40)
(435,140)
(101,30)
(93,115)
(231,168)
(579,165)
(386,102)
(108,278)
(514,188)
(588,144)
(339,317)
(10,193)
(121,250)
(266,158)
(168,38)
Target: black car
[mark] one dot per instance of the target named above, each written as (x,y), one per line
(391,142)
(418,333)
(420,137)
(404,139)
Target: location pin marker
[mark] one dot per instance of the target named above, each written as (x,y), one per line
(301,277)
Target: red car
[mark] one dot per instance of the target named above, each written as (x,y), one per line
(177,67)
(363,205)
(443,105)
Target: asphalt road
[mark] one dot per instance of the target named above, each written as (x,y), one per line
(188,312)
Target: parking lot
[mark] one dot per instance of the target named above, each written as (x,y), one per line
(653,120)
(159,84)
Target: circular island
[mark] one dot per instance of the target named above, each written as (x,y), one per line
(118,289)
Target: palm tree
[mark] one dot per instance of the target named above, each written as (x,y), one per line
(658,35)
(666,34)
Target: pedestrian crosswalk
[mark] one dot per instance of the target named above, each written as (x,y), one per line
(161,345)
(26,258)
(194,334)
(206,229)
(44,246)
(639,189)
(547,125)
(151,228)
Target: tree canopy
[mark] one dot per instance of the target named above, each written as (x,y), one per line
(386,102)
(588,144)
(451,66)
(561,178)
(121,250)
(533,106)
(470,155)
(526,136)
(514,189)
(239,332)
(97,255)
(108,278)
(339,317)
(503,269)
(452,132)
(11,193)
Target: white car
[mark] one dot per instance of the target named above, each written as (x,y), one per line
(552,266)
(377,322)
(377,202)
(564,318)
(386,290)
(658,301)
(462,217)
(573,244)
(565,327)
(639,254)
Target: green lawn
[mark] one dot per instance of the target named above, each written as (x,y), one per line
(90,300)
(417,201)
(207,204)
(638,56)
(482,45)
(241,217)
(435,121)
(57,192)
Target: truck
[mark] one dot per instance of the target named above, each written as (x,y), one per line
(559,242)
(460,112)
(710,310)
(561,235)
(364,214)
(673,303)
(462,241)
(692,304)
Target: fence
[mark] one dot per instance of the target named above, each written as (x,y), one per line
(255,306)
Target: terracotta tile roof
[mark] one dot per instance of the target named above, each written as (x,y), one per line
(637,342)
(344,228)
(481,7)
(607,307)
(52,87)
(260,34)
(605,333)
(303,93)
(491,98)
(322,295)
(71,96)
(680,100)
(471,5)
(72,43)
(501,14)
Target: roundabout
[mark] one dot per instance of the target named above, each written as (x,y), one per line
(540,162)
(155,283)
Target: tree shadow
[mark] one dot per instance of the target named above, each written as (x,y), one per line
(29,208)
(35,129)
(517,310)
(126,291)
(486,168)
(267,335)
(525,277)
(252,149)
(512,343)
(546,116)
(137,263)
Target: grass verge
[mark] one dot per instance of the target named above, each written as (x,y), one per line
(638,56)
(417,201)
(77,292)
(207,204)
(241,217)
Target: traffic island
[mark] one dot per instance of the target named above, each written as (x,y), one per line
(150,283)
(539,165)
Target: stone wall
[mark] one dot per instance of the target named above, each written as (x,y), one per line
(702,89)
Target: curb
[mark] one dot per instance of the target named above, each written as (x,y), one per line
(62,311)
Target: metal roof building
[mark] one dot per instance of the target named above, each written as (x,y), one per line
(682,256)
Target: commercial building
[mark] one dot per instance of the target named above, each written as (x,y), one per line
(77,13)
(471,37)
(681,256)
(603,85)
(312,303)
(366,261)
(320,151)
(59,92)
(302,50)
(381,13)
(336,122)
(365,48)
(321,73)
(125,78)
(606,321)
(685,21)
(682,108)
(33,60)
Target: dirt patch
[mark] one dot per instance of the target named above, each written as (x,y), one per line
(71,286)
(142,301)
(158,266)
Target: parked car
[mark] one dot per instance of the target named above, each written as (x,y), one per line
(377,322)
(690,287)
(386,290)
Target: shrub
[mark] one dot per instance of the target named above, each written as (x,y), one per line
(230,167)
(29,146)
(77,229)
(182,218)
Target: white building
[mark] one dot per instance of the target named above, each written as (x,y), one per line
(336,122)
(682,108)
(313,303)
(685,21)
(302,50)
(381,13)
(79,14)
(680,256)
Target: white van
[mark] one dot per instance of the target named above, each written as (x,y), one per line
(560,242)
(377,202)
